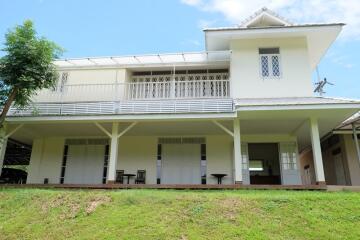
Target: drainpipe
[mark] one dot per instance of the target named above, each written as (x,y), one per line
(356,141)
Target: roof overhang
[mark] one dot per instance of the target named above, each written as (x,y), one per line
(319,37)
(153,60)
(330,112)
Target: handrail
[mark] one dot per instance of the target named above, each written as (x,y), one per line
(177,89)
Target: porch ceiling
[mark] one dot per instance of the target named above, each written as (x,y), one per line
(279,122)
(170,128)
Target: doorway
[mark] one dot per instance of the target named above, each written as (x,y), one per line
(264,164)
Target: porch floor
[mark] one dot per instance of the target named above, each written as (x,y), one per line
(168,186)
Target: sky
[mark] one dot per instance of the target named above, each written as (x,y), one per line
(87,28)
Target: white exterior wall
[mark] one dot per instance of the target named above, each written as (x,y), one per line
(46,159)
(138,153)
(103,88)
(219,154)
(246,81)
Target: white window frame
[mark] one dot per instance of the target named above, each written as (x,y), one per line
(270,65)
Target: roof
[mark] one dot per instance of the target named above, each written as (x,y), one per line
(265,15)
(144,60)
(292,101)
(240,28)
(346,125)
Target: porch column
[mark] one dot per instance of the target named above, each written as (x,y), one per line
(316,148)
(111,175)
(237,153)
(356,141)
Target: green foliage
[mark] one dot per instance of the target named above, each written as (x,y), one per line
(27,65)
(170,214)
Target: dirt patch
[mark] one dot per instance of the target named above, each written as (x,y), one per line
(231,207)
(71,206)
(96,202)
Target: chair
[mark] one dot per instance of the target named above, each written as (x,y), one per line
(140,177)
(120,176)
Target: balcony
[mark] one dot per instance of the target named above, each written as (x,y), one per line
(145,93)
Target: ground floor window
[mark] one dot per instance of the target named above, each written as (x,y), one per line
(106,162)
(158,165)
(203,163)
(63,164)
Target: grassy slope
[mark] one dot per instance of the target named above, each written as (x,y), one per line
(159,214)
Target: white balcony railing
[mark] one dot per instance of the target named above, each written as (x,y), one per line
(142,88)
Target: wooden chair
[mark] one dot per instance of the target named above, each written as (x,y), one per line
(120,176)
(140,177)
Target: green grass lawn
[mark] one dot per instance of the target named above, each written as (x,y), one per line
(170,214)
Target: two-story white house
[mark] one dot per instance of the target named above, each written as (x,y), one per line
(241,111)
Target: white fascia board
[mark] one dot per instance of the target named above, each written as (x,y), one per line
(298,107)
(269,31)
(133,117)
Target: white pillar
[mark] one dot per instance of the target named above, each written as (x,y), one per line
(316,148)
(237,153)
(3,144)
(356,141)
(111,175)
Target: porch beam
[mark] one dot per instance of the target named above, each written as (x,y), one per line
(14,130)
(103,129)
(127,129)
(237,153)
(111,174)
(316,148)
(223,128)
(356,141)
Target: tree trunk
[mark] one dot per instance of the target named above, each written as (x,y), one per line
(3,142)
(7,105)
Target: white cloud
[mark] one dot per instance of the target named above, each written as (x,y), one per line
(297,11)
(192,2)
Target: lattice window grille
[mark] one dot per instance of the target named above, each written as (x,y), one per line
(62,82)
(270,65)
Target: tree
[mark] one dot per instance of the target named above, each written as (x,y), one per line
(26,68)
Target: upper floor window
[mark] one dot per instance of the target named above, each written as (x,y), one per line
(63,80)
(270,62)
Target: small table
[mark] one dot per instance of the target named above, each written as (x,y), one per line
(219,176)
(128,175)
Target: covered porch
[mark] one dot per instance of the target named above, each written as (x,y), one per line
(247,147)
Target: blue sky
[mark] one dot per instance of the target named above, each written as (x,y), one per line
(122,27)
